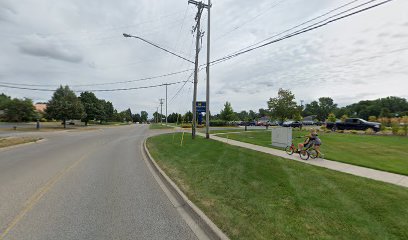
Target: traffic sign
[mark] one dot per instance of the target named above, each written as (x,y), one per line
(201,107)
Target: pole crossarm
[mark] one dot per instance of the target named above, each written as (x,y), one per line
(155,45)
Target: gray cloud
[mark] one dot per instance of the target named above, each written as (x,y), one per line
(43,47)
(325,62)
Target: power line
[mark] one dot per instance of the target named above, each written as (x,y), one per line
(100,84)
(299,25)
(178,92)
(303,30)
(93,90)
(250,20)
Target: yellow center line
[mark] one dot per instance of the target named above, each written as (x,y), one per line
(35,198)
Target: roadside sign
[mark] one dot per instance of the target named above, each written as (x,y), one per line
(201,107)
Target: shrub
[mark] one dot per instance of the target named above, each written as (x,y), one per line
(404,121)
(385,122)
(353,132)
(327,131)
(331,117)
(395,126)
(369,131)
(343,118)
(372,118)
(340,131)
(185,125)
(401,132)
(43,120)
(218,123)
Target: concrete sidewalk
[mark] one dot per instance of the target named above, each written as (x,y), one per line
(378,175)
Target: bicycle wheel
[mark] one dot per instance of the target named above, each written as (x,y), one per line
(289,150)
(304,154)
(313,153)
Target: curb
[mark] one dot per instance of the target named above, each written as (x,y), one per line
(210,230)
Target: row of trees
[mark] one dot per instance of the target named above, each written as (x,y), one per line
(285,107)
(65,105)
(16,110)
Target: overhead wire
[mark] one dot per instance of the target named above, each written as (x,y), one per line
(303,30)
(100,84)
(94,90)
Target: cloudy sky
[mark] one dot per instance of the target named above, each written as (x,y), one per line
(47,43)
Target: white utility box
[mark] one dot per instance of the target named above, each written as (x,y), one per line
(281,136)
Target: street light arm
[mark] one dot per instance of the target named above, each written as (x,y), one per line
(146,41)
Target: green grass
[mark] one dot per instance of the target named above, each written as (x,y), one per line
(159,126)
(387,153)
(11,141)
(251,195)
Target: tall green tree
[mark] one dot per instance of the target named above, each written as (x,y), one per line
(227,114)
(4,99)
(136,118)
(243,115)
(108,111)
(17,110)
(251,115)
(326,106)
(144,115)
(92,106)
(64,105)
(283,106)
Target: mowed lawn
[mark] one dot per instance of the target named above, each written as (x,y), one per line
(387,153)
(251,195)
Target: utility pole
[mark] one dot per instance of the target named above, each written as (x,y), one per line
(161,111)
(200,7)
(166,101)
(207,99)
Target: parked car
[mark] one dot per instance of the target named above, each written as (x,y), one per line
(250,123)
(294,124)
(308,123)
(354,124)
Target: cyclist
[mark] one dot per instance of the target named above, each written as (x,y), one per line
(311,140)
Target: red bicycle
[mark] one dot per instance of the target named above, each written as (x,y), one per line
(304,154)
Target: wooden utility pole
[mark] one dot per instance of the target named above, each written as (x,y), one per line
(197,29)
(207,99)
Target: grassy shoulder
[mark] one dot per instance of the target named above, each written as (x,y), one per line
(11,141)
(387,153)
(251,195)
(159,126)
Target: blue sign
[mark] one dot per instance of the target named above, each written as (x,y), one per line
(201,107)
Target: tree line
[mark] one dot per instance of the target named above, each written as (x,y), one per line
(66,105)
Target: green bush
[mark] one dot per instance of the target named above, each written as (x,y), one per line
(340,131)
(185,125)
(369,131)
(353,132)
(43,120)
(395,128)
(401,132)
(218,123)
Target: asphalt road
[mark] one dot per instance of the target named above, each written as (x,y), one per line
(85,185)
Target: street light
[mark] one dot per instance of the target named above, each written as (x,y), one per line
(153,44)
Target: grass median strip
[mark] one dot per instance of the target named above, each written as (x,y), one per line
(386,153)
(159,126)
(251,195)
(11,141)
